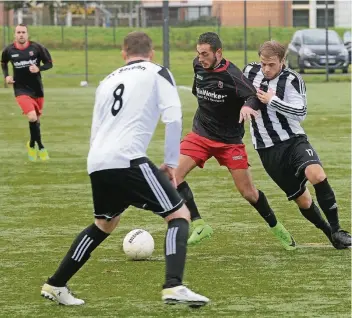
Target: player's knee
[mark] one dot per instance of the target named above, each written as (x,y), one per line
(315,174)
(304,201)
(32,116)
(107,226)
(181,213)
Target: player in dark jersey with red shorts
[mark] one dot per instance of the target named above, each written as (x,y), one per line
(26,57)
(225,98)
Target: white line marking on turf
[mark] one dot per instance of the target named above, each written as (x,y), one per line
(186,88)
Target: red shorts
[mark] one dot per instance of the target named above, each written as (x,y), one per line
(200,149)
(28,104)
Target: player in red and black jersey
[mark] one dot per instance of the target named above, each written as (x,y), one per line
(225,99)
(28,60)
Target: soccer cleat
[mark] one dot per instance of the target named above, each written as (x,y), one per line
(200,232)
(183,295)
(62,295)
(43,154)
(32,153)
(284,237)
(341,239)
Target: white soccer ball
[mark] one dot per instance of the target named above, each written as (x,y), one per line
(138,245)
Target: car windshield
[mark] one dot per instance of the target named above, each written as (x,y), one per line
(318,38)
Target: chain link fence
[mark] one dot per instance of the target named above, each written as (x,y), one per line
(101,25)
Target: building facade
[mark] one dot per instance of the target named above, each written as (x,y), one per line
(259,13)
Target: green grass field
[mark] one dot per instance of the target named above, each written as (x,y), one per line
(242,269)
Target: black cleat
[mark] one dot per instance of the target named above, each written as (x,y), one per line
(341,239)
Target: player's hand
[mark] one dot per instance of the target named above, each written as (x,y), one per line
(34,68)
(265,97)
(170,172)
(9,80)
(246,113)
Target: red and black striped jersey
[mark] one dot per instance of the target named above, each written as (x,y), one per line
(221,93)
(26,83)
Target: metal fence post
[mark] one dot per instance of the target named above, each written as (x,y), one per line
(166,46)
(327,41)
(4,26)
(245,30)
(86,38)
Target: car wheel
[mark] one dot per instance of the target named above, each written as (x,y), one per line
(345,70)
(331,71)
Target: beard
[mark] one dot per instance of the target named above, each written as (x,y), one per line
(212,65)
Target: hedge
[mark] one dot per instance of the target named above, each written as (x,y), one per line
(180,38)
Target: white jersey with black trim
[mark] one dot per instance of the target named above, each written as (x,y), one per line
(128,105)
(280,119)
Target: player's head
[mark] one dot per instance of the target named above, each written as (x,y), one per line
(272,58)
(137,45)
(21,34)
(209,49)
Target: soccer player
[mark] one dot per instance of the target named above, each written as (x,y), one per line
(225,97)
(128,104)
(26,57)
(282,145)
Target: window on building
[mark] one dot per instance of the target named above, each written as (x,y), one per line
(321,18)
(300,18)
(300,2)
(323,2)
(194,13)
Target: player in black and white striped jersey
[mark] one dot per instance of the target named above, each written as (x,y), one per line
(128,105)
(282,144)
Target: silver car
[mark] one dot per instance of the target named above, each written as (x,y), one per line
(307,51)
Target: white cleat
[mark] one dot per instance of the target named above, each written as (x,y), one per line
(62,295)
(183,295)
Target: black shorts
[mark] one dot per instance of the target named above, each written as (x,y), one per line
(142,185)
(286,162)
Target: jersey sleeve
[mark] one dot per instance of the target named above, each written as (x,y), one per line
(295,104)
(244,88)
(4,61)
(45,57)
(171,115)
(194,91)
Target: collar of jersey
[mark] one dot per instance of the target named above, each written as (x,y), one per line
(20,48)
(137,61)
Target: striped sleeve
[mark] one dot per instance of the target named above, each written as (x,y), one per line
(294,105)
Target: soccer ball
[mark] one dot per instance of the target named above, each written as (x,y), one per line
(138,245)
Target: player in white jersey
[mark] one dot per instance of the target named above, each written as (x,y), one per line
(282,144)
(128,105)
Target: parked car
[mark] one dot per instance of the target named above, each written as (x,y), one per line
(347,43)
(307,51)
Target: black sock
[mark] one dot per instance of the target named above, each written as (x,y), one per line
(262,206)
(175,251)
(327,202)
(78,254)
(186,193)
(39,137)
(33,133)
(314,216)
